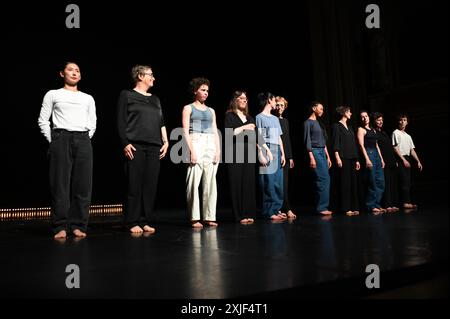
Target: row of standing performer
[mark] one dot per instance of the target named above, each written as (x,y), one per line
(68,121)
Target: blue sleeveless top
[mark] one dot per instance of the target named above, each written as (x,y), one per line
(200,121)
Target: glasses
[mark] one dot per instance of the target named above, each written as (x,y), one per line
(150,75)
(279,105)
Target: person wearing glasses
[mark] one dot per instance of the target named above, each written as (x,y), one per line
(406,151)
(346,155)
(271,175)
(143,135)
(281,106)
(202,138)
(73,123)
(240,156)
(368,142)
(319,160)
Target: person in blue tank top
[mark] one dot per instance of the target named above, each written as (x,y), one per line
(202,138)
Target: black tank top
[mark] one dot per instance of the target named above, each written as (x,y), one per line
(371,138)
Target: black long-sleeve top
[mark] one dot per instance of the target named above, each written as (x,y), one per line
(139,118)
(233,121)
(344,141)
(286,139)
(386,149)
(244,141)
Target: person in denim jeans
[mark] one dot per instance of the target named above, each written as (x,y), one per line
(271,176)
(320,162)
(368,142)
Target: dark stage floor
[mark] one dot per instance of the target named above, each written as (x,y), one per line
(310,257)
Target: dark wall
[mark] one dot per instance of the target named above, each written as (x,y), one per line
(311,50)
(402,67)
(235,46)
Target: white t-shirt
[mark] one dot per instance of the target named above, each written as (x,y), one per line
(69,110)
(403,141)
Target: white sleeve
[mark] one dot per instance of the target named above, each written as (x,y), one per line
(45,114)
(92,117)
(395,139)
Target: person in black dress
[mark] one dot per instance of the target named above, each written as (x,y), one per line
(390,196)
(143,136)
(346,156)
(282,105)
(240,156)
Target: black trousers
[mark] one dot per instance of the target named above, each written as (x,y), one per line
(390,196)
(404,175)
(142,178)
(286,204)
(242,181)
(70,179)
(347,186)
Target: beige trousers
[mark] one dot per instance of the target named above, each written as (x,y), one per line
(205,172)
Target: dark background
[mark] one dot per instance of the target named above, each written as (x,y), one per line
(310,50)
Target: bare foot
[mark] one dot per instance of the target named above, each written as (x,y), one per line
(276,217)
(291,215)
(149,230)
(60,235)
(282,215)
(251,220)
(211,223)
(377,211)
(244,221)
(79,233)
(409,206)
(326,213)
(197,225)
(136,230)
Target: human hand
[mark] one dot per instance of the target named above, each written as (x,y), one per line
(128,150)
(163,150)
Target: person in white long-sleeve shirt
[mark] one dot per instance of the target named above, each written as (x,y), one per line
(68,122)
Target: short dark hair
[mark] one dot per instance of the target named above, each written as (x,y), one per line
(263,99)
(402,116)
(65,64)
(312,105)
(376,115)
(196,83)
